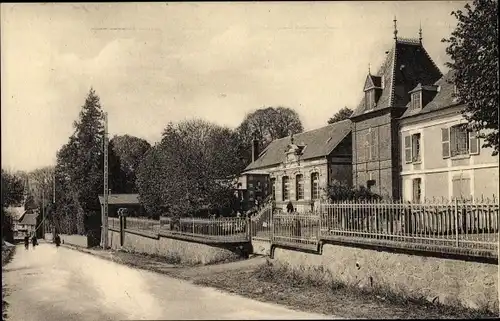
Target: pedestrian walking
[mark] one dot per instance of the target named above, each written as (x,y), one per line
(34,241)
(26,242)
(57,240)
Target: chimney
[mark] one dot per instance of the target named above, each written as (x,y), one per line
(255,149)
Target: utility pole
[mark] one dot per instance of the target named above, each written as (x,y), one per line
(106,190)
(43,209)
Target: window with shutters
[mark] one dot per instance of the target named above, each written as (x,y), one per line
(417,190)
(461,187)
(415,148)
(314,186)
(286,188)
(407,148)
(445,142)
(459,140)
(474,143)
(299,186)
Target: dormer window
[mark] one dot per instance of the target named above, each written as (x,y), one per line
(370,99)
(416,100)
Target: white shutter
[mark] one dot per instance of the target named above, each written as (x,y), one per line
(445,142)
(407,142)
(473,143)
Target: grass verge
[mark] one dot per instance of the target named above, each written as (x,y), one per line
(310,291)
(7,255)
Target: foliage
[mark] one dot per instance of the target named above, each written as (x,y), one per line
(80,169)
(341,192)
(130,150)
(41,185)
(342,114)
(190,171)
(473,48)
(267,124)
(12,189)
(12,195)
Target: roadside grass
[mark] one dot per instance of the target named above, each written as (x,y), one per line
(7,255)
(320,278)
(314,291)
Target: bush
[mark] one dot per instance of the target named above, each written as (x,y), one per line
(341,192)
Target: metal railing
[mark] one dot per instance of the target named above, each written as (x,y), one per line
(225,228)
(142,225)
(457,225)
(213,229)
(260,224)
(298,229)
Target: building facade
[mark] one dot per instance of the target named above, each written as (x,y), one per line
(375,147)
(441,158)
(299,168)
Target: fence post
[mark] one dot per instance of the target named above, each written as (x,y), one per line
(456,222)
(320,215)
(249,229)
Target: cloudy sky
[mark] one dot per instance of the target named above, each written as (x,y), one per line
(155,63)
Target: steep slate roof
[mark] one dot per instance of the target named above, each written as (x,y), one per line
(398,80)
(121,199)
(442,100)
(28,219)
(319,142)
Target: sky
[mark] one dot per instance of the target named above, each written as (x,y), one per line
(153,63)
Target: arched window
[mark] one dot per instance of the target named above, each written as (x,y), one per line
(314,186)
(299,187)
(286,188)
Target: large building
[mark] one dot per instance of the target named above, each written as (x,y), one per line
(440,157)
(407,136)
(375,147)
(300,167)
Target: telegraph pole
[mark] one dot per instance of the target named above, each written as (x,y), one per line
(106,190)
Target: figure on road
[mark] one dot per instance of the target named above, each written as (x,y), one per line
(34,240)
(57,240)
(26,242)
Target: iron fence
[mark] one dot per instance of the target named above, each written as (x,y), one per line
(143,225)
(260,224)
(297,229)
(458,224)
(225,228)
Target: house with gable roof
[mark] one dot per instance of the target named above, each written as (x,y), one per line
(440,157)
(300,167)
(375,136)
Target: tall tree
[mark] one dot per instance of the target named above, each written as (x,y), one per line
(189,170)
(473,48)
(79,171)
(342,114)
(267,124)
(129,150)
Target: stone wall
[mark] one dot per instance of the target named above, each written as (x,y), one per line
(261,247)
(184,251)
(448,281)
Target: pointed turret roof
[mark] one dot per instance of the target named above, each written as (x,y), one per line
(407,64)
